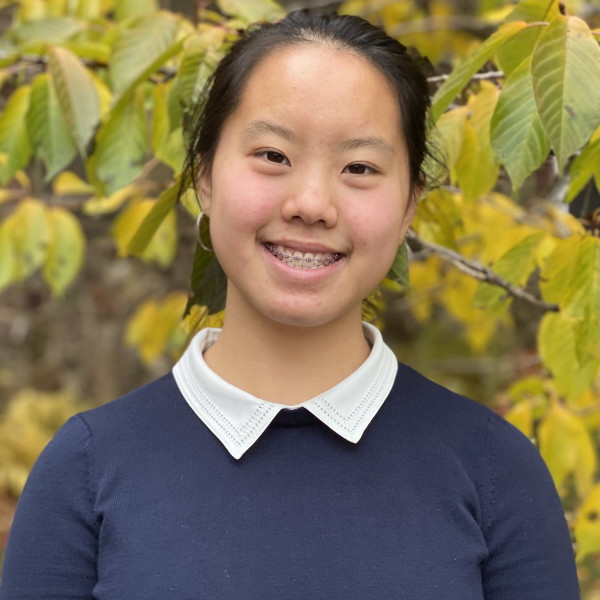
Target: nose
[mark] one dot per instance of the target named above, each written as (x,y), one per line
(312,200)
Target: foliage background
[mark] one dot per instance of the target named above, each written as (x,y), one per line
(96,255)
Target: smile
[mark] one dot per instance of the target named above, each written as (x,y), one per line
(303,260)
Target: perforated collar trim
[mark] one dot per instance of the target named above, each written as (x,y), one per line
(238,419)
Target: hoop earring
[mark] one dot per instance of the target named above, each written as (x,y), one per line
(198,227)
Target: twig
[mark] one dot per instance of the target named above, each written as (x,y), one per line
(476,270)
(477,76)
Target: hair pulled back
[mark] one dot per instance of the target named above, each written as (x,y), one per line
(344,32)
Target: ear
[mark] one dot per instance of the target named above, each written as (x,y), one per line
(205,192)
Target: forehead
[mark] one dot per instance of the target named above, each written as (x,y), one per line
(318,85)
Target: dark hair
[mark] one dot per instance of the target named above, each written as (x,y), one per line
(387,55)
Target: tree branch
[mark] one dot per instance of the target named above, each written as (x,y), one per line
(477,76)
(476,270)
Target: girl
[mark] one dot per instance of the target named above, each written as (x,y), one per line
(288,455)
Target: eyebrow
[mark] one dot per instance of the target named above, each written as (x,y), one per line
(257,127)
(369,142)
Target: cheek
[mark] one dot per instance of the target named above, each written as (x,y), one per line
(244,204)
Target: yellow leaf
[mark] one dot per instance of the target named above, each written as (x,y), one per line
(586,525)
(69,184)
(104,205)
(8,256)
(65,252)
(451,126)
(566,447)
(30,230)
(521,416)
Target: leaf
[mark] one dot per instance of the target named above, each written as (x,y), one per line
(438,218)
(462,74)
(47,128)
(14,140)
(30,231)
(515,266)
(399,270)
(8,256)
(142,48)
(127,9)
(558,350)
(76,93)
(163,206)
(566,78)
(451,126)
(517,135)
(48,31)
(163,245)
(587,540)
(65,250)
(68,184)
(571,276)
(521,416)
(566,447)
(477,149)
(101,206)
(209,282)
(119,158)
(153,323)
(521,46)
(252,11)
(167,145)
(585,167)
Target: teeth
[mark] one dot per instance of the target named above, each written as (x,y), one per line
(305,260)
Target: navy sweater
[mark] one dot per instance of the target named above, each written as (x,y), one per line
(441,499)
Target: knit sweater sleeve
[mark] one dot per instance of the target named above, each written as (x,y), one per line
(52,546)
(530,552)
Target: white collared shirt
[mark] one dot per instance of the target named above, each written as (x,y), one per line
(238,418)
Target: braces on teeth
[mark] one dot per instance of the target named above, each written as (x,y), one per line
(299,259)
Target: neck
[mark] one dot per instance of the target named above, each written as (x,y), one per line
(286,364)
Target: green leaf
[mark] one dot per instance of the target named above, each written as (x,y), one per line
(153,220)
(121,144)
(14,140)
(65,250)
(167,145)
(199,60)
(76,93)
(585,167)
(30,230)
(48,31)
(566,79)
(127,9)
(209,282)
(252,11)
(461,76)
(515,266)
(399,270)
(518,138)
(47,128)
(141,49)
(517,49)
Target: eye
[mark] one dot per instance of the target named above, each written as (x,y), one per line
(274,157)
(359,169)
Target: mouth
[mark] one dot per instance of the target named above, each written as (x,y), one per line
(302,260)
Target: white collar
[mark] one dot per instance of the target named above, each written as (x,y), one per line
(238,418)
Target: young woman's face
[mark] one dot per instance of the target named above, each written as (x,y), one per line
(309,192)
